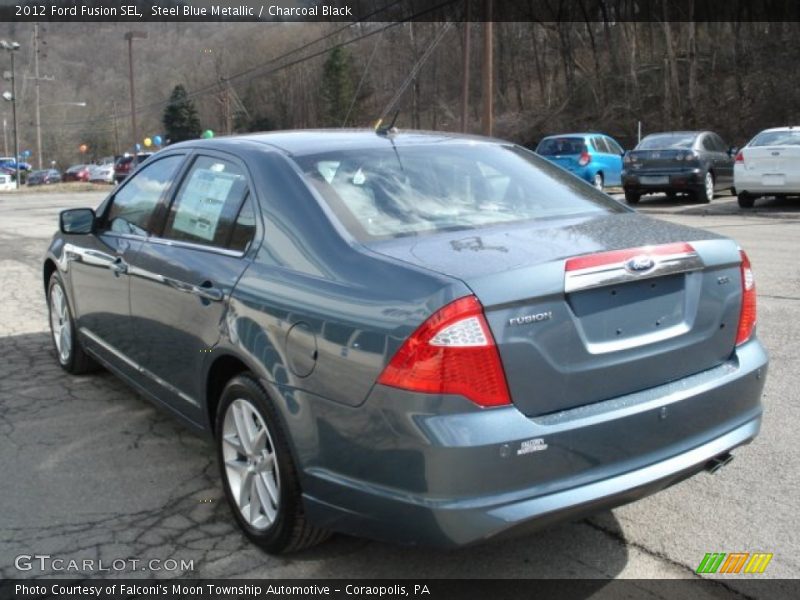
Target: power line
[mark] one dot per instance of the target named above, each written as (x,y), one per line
(252,71)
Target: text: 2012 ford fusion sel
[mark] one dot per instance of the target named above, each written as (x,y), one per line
(414,337)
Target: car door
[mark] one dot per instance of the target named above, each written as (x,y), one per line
(715,160)
(725,166)
(98,263)
(182,278)
(615,162)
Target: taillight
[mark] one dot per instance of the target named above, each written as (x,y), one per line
(747,319)
(584,159)
(739,157)
(452,352)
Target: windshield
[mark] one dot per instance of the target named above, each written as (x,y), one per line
(410,190)
(554,146)
(665,141)
(777,138)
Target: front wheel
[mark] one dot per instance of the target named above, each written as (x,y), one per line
(260,478)
(69,352)
(597,181)
(706,193)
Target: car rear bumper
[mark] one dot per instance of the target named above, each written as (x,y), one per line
(645,181)
(435,476)
(766,183)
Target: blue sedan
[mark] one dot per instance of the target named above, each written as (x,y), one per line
(415,337)
(593,157)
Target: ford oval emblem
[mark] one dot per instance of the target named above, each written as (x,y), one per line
(639,264)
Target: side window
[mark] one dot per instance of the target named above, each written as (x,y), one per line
(614,147)
(212,207)
(719,143)
(132,207)
(708,144)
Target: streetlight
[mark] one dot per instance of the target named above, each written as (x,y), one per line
(130,36)
(11,48)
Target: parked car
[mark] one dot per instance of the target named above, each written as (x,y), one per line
(77,173)
(44,177)
(418,337)
(7,182)
(769,165)
(101,173)
(697,163)
(593,157)
(127,163)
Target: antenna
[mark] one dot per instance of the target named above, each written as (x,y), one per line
(388,128)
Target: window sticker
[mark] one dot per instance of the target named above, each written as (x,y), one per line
(202,202)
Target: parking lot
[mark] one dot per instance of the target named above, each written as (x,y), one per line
(90,470)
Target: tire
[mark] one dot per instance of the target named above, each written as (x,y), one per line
(672,195)
(705,194)
(69,352)
(598,182)
(745,200)
(632,197)
(260,468)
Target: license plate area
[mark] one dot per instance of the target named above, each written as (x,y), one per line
(773,179)
(654,179)
(612,317)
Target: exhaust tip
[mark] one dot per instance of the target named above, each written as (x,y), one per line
(716,463)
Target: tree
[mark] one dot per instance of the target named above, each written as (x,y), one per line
(180,117)
(337,86)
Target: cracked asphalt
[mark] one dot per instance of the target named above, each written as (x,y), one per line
(90,470)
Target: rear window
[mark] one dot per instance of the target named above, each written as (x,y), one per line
(666,141)
(411,190)
(777,138)
(555,146)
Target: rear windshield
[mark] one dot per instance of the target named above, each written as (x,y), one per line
(666,141)
(411,190)
(554,146)
(777,138)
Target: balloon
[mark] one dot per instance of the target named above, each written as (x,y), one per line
(26,154)
(83,148)
(148,142)
(157,140)
(138,147)
(208,134)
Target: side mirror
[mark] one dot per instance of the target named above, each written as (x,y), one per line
(732,151)
(76,220)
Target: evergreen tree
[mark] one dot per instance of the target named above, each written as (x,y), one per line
(337,87)
(180,117)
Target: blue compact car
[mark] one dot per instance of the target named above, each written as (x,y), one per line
(594,157)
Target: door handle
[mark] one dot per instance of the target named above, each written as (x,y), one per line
(207,291)
(118,266)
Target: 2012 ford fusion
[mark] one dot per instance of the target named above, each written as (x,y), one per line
(415,337)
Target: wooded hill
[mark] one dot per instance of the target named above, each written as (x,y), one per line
(735,78)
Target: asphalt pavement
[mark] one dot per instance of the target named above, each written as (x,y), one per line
(89,470)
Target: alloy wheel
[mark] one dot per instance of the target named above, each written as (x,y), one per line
(709,186)
(60,323)
(251,467)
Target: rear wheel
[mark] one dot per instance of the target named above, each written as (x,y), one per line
(597,181)
(260,478)
(632,197)
(706,193)
(69,352)
(745,200)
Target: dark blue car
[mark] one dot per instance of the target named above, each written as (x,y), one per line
(594,157)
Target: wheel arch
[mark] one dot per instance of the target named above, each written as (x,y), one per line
(224,368)
(48,270)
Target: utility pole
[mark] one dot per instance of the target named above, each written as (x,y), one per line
(36,87)
(116,130)
(130,36)
(465,70)
(5,137)
(488,73)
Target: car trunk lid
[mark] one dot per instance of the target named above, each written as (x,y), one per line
(771,159)
(572,324)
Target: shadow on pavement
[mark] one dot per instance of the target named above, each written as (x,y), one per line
(112,477)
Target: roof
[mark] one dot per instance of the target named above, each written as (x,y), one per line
(308,141)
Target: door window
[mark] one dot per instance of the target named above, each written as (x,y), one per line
(132,207)
(213,206)
(708,144)
(600,145)
(614,147)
